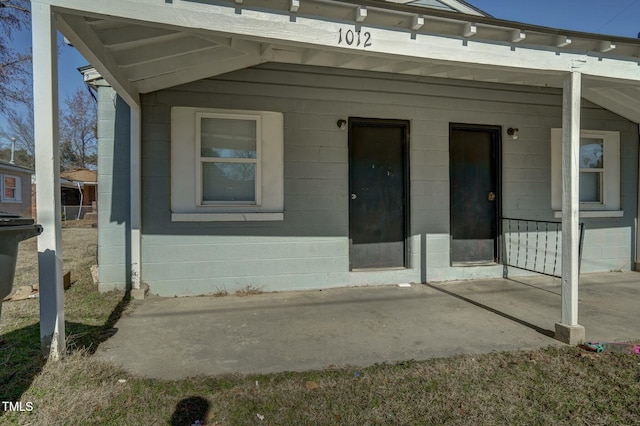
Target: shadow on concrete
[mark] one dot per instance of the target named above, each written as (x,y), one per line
(534,327)
(543,288)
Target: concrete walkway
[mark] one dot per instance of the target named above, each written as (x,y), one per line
(295,331)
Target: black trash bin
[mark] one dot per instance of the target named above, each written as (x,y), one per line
(13,229)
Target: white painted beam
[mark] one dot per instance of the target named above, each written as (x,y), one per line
(570,199)
(169,64)
(294,5)
(135,196)
(265,48)
(129,35)
(417,22)
(47,152)
(406,66)
(162,50)
(606,46)
(562,41)
(361,14)
(517,36)
(308,55)
(90,46)
(469,30)
(198,72)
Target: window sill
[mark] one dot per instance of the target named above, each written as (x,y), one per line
(594,213)
(226,217)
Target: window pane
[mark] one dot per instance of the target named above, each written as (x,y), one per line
(9,193)
(228,182)
(10,182)
(590,188)
(226,138)
(591,153)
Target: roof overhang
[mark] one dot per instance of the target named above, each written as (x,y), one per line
(15,168)
(148,45)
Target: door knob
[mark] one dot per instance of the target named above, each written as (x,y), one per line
(491,196)
(354,196)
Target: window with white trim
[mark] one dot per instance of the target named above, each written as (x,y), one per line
(599,176)
(226,165)
(11,189)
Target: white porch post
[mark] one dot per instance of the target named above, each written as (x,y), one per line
(45,88)
(137,290)
(568,330)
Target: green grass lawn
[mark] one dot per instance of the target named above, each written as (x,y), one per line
(550,386)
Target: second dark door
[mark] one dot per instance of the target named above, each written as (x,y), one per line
(474,193)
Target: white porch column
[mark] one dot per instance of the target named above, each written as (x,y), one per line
(45,89)
(137,290)
(568,330)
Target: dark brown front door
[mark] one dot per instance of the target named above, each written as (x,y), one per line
(473,166)
(378,193)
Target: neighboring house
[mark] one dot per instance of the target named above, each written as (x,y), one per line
(79,192)
(15,189)
(311,143)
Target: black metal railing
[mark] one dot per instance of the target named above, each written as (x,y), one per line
(534,245)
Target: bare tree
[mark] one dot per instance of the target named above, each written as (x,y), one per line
(19,125)
(78,129)
(15,67)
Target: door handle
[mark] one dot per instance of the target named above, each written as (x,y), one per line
(491,196)
(354,196)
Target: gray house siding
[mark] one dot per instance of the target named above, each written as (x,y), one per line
(310,248)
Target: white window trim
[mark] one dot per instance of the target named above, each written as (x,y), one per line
(199,159)
(610,205)
(185,154)
(17,190)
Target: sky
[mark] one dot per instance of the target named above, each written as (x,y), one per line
(612,17)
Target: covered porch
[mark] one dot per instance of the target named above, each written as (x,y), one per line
(145,46)
(361,326)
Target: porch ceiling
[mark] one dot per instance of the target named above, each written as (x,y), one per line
(144,55)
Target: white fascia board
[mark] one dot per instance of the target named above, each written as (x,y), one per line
(263,26)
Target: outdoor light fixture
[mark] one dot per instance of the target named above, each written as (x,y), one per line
(513,133)
(342,124)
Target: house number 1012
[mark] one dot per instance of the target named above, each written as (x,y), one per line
(351,37)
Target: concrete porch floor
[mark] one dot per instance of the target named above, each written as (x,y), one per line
(174,338)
